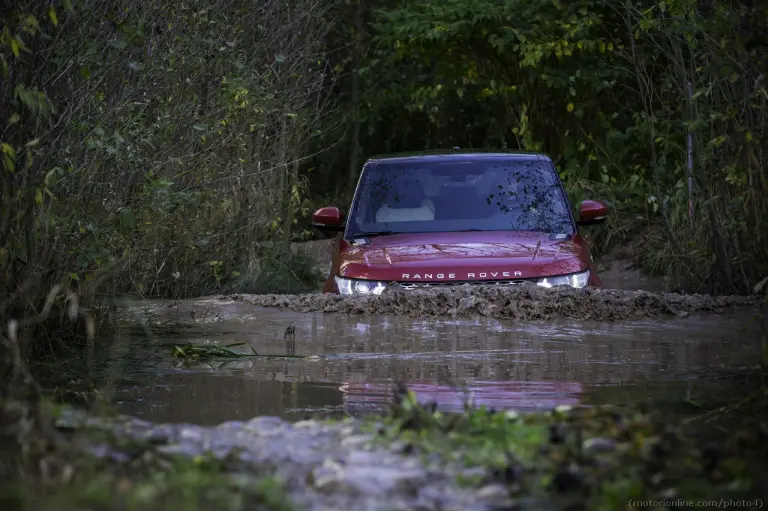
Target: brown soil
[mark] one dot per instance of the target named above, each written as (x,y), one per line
(618,268)
(521,302)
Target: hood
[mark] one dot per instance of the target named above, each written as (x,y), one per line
(461,256)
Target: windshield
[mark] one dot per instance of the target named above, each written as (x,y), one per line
(459,196)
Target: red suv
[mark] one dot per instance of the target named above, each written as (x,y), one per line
(457,217)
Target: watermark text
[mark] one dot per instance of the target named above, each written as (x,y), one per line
(717,503)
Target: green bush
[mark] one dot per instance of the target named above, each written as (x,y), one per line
(276,270)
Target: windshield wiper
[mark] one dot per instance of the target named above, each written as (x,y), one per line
(373,233)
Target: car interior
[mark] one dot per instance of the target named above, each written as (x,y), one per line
(441,197)
(450,201)
(410,203)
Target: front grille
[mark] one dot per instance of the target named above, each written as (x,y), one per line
(421,285)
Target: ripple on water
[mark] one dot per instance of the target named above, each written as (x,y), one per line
(504,363)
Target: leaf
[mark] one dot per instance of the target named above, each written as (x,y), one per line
(570,107)
(49,177)
(120,44)
(32,143)
(21,45)
(760,285)
(53,17)
(279,59)
(9,164)
(32,24)
(38,196)
(8,149)
(127,219)
(136,66)
(14,118)
(200,126)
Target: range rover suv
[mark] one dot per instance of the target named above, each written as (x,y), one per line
(454,217)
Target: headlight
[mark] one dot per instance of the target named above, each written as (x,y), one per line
(359,287)
(573,280)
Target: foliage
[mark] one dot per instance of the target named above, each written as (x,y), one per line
(61,474)
(190,352)
(604,88)
(273,270)
(151,143)
(569,458)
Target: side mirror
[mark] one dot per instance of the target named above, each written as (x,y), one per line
(592,212)
(327,219)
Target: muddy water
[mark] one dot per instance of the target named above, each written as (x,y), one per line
(499,363)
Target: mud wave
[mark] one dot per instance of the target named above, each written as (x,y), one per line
(524,302)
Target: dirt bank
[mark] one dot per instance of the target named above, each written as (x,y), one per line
(322,466)
(413,458)
(521,302)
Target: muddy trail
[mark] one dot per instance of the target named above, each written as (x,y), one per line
(267,372)
(347,363)
(524,302)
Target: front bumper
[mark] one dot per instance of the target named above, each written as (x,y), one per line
(374,287)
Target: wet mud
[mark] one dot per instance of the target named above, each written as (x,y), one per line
(525,302)
(353,359)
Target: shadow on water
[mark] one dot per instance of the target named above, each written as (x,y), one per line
(504,364)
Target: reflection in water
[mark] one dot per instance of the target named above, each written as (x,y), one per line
(503,364)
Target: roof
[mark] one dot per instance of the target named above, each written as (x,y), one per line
(446,156)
